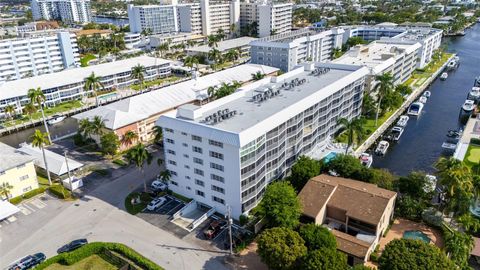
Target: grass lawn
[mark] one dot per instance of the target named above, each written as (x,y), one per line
(94,262)
(472,157)
(85,59)
(147,84)
(133,209)
(60,108)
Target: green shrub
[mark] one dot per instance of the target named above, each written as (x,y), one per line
(374,257)
(78,140)
(120,162)
(27,195)
(475,141)
(60,191)
(99,248)
(243,219)
(16,200)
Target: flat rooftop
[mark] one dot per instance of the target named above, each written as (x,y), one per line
(250,112)
(224,45)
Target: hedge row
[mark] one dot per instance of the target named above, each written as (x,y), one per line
(27,195)
(59,191)
(98,248)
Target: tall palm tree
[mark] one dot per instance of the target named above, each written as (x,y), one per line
(97,126)
(258,76)
(157,134)
(139,155)
(5,189)
(352,127)
(212,41)
(138,72)
(93,83)
(10,111)
(163,48)
(30,109)
(129,137)
(215,56)
(190,61)
(384,86)
(165,177)
(232,55)
(85,127)
(233,30)
(39,140)
(37,97)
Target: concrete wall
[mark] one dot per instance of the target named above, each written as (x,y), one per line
(23,179)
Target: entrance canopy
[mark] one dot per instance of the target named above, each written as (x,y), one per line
(7,209)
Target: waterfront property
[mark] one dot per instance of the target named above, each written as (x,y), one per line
(240,44)
(158,19)
(357,213)
(140,112)
(70,84)
(269,17)
(69,11)
(36,55)
(16,170)
(287,50)
(174,39)
(227,151)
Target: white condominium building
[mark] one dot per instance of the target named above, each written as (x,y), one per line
(190,18)
(219,15)
(36,55)
(158,19)
(226,152)
(270,18)
(63,10)
(69,84)
(287,50)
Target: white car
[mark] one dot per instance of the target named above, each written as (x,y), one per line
(158,185)
(157,202)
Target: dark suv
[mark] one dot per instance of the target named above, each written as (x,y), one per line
(28,262)
(72,245)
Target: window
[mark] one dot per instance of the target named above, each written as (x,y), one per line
(21,166)
(27,189)
(197,149)
(25,177)
(171,152)
(217,178)
(173,172)
(185,145)
(215,143)
(197,138)
(198,160)
(172,162)
(173,183)
(2,172)
(169,130)
(216,166)
(186,156)
(217,199)
(187,177)
(200,193)
(186,167)
(199,182)
(218,189)
(198,171)
(170,141)
(184,134)
(216,155)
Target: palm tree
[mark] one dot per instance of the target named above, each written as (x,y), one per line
(129,137)
(5,189)
(232,55)
(139,155)
(190,61)
(39,140)
(138,72)
(163,48)
(36,96)
(10,110)
(212,41)
(258,76)
(352,127)
(30,109)
(215,56)
(211,91)
(85,127)
(384,86)
(93,83)
(220,34)
(97,126)
(165,177)
(157,134)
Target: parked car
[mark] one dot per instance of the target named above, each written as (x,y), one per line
(214,228)
(72,245)
(28,262)
(157,202)
(158,185)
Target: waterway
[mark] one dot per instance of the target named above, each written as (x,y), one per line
(111,20)
(420,145)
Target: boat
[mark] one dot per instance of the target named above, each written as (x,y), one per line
(423,99)
(382,148)
(456,58)
(415,109)
(444,76)
(366,159)
(451,65)
(449,146)
(57,118)
(476,83)
(474,94)
(454,133)
(396,133)
(402,121)
(427,94)
(468,106)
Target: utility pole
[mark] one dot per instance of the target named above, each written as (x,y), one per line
(68,171)
(230,221)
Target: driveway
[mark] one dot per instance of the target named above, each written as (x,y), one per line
(98,216)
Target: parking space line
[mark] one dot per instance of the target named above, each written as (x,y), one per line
(24,210)
(29,207)
(39,204)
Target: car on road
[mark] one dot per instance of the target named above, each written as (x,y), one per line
(157,202)
(214,228)
(28,262)
(72,245)
(158,185)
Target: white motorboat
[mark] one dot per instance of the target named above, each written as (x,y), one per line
(468,106)
(457,59)
(427,94)
(396,133)
(56,119)
(423,99)
(474,94)
(476,83)
(452,64)
(444,76)
(402,121)
(366,159)
(382,148)
(415,109)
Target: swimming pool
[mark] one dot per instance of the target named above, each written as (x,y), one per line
(329,157)
(416,235)
(109,96)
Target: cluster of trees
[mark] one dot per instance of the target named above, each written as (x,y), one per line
(215,55)
(100,45)
(222,90)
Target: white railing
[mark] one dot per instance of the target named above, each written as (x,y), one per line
(201,219)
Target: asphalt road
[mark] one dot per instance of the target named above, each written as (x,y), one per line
(99,216)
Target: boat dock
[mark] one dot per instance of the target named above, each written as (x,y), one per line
(391,120)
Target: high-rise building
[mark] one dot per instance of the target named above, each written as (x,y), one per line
(287,50)
(268,18)
(36,55)
(227,151)
(155,19)
(62,10)
(219,15)
(190,18)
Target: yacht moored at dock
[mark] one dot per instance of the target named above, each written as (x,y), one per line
(366,159)
(415,109)
(452,65)
(466,111)
(476,83)
(402,121)
(56,119)
(423,99)
(474,94)
(396,133)
(444,76)
(382,148)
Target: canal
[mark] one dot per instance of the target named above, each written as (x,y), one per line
(420,145)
